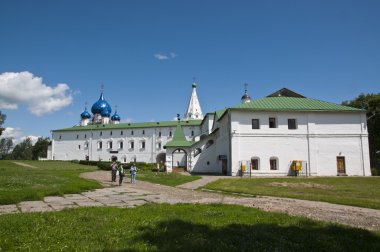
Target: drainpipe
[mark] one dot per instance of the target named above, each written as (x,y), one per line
(230,140)
(308,145)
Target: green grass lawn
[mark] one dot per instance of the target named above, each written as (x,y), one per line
(181,227)
(163,178)
(355,191)
(19,183)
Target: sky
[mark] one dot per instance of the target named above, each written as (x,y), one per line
(55,55)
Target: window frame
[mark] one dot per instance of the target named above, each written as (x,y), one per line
(294,126)
(274,120)
(256,120)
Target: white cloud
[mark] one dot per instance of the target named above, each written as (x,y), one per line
(32,138)
(165,56)
(17,135)
(25,88)
(11,132)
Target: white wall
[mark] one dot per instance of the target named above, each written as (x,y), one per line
(65,144)
(330,135)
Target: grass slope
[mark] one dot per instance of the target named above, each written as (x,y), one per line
(19,183)
(181,227)
(354,191)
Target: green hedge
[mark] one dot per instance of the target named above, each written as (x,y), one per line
(106,165)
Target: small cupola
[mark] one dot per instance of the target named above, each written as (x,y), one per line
(245,98)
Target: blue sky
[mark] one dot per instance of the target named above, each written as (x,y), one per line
(54,55)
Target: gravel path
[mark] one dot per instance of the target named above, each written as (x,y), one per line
(354,216)
(130,195)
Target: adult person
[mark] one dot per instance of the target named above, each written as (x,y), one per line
(120,169)
(133,172)
(113,171)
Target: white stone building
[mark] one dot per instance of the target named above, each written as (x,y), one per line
(262,137)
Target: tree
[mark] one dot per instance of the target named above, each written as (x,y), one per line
(370,103)
(23,150)
(2,119)
(40,148)
(6,145)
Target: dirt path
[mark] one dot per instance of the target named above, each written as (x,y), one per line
(349,215)
(24,165)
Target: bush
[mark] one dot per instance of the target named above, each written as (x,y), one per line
(375,171)
(85,162)
(104,166)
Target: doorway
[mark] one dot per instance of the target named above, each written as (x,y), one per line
(341,165)
(224,166)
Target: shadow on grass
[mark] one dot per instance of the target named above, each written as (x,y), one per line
(178,235)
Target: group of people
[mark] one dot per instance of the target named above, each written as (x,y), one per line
(117,169)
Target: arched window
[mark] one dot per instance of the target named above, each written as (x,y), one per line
(121,145)
(197,151)
(273,162)
(132,144)
(109,145)
(209,143)
(100,145)
(143,144)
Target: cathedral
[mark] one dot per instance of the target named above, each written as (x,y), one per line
(282,134)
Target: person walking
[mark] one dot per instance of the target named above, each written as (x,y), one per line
(120,169)
(133,172)
(113,171)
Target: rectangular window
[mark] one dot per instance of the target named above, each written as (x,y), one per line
(273,164)
(132,145)
(101,133)
(292,124)
(100,145)
(170,134)
(143,145)
(254,164)
(255,124)
(192,133)
(272,122)
(121,145)
(77,136)
(85,136)
(79,147)
(111,133)
(159,134)
(159,146)
(121,132)
(143,132)
(109,145)
(132,132)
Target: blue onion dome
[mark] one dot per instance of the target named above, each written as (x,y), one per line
(100,106)
(105,113)
(85,115)
(115,117)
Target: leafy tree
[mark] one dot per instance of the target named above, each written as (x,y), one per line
(6,145)
(2,119)
(23,150)
(371,103)
(40,148)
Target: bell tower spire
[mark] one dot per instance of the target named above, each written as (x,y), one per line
(194,110)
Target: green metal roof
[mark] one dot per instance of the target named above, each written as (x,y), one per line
(179,139)
(293,104)
(220,112)
(132,125)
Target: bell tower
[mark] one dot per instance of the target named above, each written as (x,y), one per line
(194,110)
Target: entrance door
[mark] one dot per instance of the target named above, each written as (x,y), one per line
(224,166)
(341,165)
